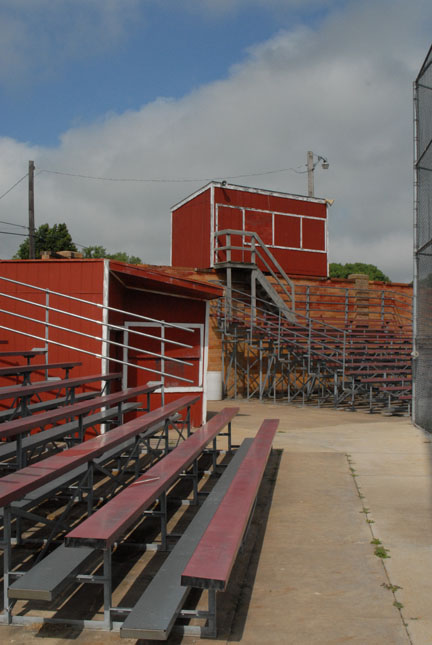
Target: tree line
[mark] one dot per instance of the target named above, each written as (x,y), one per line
(57,238)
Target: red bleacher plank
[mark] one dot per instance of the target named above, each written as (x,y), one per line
(387,379)
(15,485)
(10,370)
(29,353)
(395,388)
(108,523)
(20,426)
(47,386)
(213,559)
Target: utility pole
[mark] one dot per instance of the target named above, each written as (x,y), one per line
(31,210)
(311,167)
(310,171)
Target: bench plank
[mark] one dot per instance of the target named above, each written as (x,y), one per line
(21,482)
(59,432)
(12,370)
(211,564)
(28,353)
(110,522)
(51,404)
(156,611)
(20,391)
(67,563)
(23,425)
(43,582)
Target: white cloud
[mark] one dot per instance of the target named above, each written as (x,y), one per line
(343,91)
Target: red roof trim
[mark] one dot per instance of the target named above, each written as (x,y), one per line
(197,289)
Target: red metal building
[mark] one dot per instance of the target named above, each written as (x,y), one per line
(83,307)
(294,228)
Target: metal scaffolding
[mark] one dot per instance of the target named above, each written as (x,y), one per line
(358,363)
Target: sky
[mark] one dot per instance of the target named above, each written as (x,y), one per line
(128,106)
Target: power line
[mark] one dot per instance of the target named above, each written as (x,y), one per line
(12,187)
(12,233)
(168,180)
(12,224)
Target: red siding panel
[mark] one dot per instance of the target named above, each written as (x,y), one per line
(313,234)
(302,262)
(191,233)
(260,223)
(229,218)
(287,231)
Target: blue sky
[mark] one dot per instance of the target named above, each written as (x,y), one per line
(141,89)
(167,49)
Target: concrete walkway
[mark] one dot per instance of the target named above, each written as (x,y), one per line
(344,480)
(337,481)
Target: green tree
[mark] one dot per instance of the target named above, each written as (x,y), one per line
(338,270)
(101,252)
(47,238)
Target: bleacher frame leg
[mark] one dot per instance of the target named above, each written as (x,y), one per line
(107,585)
(210,630)
(7,564)
(164,520)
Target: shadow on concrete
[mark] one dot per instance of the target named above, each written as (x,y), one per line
(233,605)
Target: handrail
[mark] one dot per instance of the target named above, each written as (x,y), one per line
(95,355)
(103,337)
(94,304)
(320,329)
(110,342)
(254,249)
(96,322)
(386,303)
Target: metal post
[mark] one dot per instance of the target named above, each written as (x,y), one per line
(310,171)
(228,245)
(163,362)
(415,352)
(32,253)
(346,306)
(253,299)
(7,563)
(47,306)
(212,616)
(107,582)
(163,510)
(228,297)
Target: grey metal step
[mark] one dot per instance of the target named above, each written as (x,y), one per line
(156,611)
(54,572)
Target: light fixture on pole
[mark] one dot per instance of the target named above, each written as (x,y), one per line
(311,165)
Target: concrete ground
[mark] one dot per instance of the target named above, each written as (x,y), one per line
(345,488)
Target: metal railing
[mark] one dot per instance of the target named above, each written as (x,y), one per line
(100,320)
(253,251)
(346,304)
(309,353)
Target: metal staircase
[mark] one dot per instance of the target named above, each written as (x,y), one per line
(245,257)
